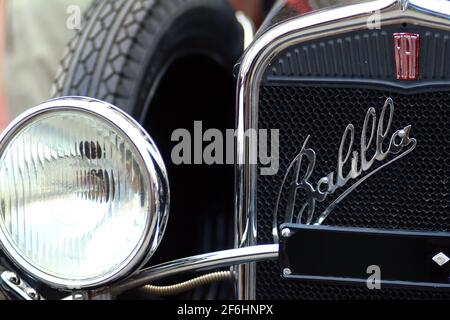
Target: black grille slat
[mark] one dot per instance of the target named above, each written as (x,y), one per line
(362,55)
(358,48)
(410,194)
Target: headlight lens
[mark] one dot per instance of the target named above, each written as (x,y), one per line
(83,193)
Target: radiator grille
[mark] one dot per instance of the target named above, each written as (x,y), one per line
(412,193)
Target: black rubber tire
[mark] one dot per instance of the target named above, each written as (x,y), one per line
(124,47)
(167,63)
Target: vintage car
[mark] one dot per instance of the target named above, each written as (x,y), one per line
(308,160)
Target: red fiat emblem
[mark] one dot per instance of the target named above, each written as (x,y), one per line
(406,50)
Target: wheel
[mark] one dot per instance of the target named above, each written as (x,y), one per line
(125,47)
(167,63)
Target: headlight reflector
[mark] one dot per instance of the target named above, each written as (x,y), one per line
(83,193)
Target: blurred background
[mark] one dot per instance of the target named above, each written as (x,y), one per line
(33,36)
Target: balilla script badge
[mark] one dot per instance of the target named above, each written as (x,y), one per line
(400,144)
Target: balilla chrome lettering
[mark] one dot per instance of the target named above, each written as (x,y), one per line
(400,144)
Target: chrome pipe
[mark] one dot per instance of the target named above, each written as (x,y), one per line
(219,259)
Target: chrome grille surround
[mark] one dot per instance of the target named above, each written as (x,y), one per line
(429,13)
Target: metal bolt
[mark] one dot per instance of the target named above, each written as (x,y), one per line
(32,293)
(286,233)
(287,272)
(13,278)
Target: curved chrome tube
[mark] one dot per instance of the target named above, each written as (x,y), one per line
(207,261)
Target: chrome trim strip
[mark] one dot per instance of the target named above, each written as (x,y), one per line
(202,262)
(321,24)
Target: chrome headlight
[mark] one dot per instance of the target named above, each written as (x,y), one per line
(83,193)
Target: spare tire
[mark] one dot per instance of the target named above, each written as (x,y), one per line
(125,46)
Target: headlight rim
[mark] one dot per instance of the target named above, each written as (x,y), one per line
(159,194)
